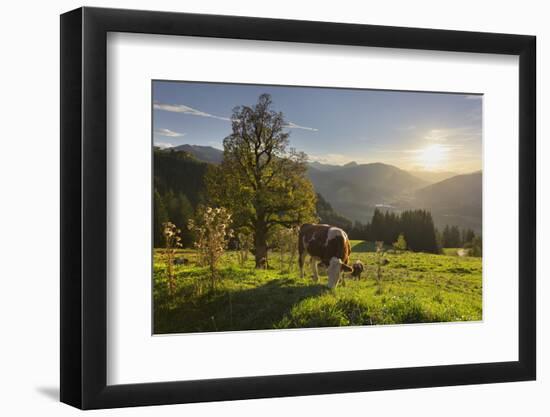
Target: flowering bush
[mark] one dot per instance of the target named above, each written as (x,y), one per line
(172,240)
(212,233)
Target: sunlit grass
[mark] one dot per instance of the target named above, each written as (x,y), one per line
(416,288)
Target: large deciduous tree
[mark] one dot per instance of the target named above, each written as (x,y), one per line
(261,180)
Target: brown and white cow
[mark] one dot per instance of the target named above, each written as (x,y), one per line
(327,244)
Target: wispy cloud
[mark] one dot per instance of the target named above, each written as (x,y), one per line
(291,125)
(406,128)
(168,133)
(437,146)
(183,109)
(464,134)
(438,135)
(163,145)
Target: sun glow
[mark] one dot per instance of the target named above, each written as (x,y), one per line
(432,157)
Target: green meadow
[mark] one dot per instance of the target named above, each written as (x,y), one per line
(411,288)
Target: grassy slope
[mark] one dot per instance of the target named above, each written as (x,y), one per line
(416,288)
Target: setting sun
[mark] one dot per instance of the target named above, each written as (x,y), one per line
(432,157)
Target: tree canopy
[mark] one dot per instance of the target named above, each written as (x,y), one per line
(261,180)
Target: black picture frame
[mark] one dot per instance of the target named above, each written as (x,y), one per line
(84,207)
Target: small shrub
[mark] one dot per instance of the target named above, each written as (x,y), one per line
(380,261)
(477,247)
(285,239)
(212,234)
(245,245)
(172,240)
(401,244)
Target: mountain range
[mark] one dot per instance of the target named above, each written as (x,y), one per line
(456,200)
(432,176)
(356,190)
(202,153)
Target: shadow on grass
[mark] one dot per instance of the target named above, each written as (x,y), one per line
(256,308)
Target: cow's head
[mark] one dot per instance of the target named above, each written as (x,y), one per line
(335,267)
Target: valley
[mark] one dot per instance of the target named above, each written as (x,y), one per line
(356,190)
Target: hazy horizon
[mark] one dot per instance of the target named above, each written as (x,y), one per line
(415,131)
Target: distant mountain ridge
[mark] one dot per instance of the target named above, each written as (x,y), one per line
(455,201)
(433,176)
(202,153)
(428,176)
(458,191)
(323,167)
(355,190)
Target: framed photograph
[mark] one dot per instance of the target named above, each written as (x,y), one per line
(257,208)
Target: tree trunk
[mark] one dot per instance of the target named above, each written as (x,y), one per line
(260,245)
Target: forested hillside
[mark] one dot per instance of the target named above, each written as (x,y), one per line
(352,191)
(178,189)
(202,153)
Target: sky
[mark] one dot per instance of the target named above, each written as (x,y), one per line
(411,130)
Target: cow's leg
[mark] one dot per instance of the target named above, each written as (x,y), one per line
(340,279)
(301,260)
(313,262)
(302,251)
